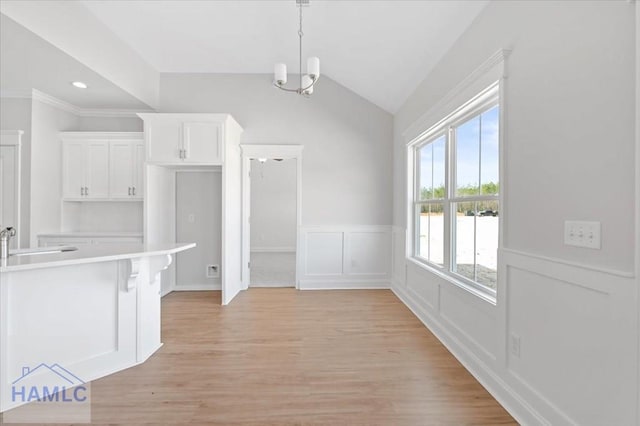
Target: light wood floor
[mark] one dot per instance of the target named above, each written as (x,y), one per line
(281,356)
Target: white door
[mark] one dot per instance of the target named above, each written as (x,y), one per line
(121,169)
(231,223)
(202,142)
(164,140)
(74,168)
(138,169)
(97,170)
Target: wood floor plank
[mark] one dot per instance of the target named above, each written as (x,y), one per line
(281,356)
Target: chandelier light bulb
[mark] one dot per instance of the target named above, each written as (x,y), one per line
(280,73)
(313,67)
(307,85)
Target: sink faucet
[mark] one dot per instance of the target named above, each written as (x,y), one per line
(5,237)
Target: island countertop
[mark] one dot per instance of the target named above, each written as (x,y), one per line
(88,254)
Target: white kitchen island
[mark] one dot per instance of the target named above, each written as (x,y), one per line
(94,311)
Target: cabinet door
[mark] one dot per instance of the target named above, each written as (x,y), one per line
(74,154)
(202,142)
(164,141)
(138,170)
(97,170)
(121,169)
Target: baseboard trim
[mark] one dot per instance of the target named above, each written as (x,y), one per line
(269,285)
(495,385)
(197,287)
(345,285)
(273,250)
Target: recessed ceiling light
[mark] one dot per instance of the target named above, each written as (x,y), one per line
(79,85)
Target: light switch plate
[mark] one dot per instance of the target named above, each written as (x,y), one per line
(582,234)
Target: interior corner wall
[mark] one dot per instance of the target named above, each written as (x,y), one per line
(46,167)
(638,197)
(15,114)
(569,155)
(346,166)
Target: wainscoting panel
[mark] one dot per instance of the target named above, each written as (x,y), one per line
(398,265)
(573,331)
(369,253)
(476,322)
(345,257)
(324,253)
(558,348)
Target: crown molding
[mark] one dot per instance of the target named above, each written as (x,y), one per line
(68,107)
(15,93)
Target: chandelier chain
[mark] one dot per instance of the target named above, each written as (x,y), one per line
(300,34)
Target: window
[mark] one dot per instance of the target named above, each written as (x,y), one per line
(456,207)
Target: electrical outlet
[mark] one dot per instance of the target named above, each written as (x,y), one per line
(582,234)
(213,271)
(514,344)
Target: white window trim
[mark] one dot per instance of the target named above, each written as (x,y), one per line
(481,101)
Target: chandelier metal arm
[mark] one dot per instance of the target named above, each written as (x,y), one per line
(286,89)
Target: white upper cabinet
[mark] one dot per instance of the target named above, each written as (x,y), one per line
(186,138)
(73,165)
(97,170)
(126,164)
(167,140)
(102,165)
(201,142)
(85,169)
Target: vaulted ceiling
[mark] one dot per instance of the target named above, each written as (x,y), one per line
(380,50)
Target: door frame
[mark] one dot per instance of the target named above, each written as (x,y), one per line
(255,151)
(13,138)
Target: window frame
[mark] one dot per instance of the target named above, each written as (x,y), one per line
(484,101)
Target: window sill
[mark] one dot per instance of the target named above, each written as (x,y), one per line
(490,298)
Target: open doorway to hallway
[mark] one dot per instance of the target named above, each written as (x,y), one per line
(273,222)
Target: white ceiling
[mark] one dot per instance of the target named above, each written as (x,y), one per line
(380,49)
(28,62)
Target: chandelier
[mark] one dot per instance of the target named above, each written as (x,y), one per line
(306,81)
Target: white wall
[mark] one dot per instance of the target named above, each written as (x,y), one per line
(110,124)
(108,216)
(15,114)
(198,220)
(569,136)
(273,205)
(46,167)
(84,37)
(346,168)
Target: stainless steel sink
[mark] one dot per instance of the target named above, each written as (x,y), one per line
(42,250)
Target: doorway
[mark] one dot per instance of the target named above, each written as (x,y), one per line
(273,222)
(271,213)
